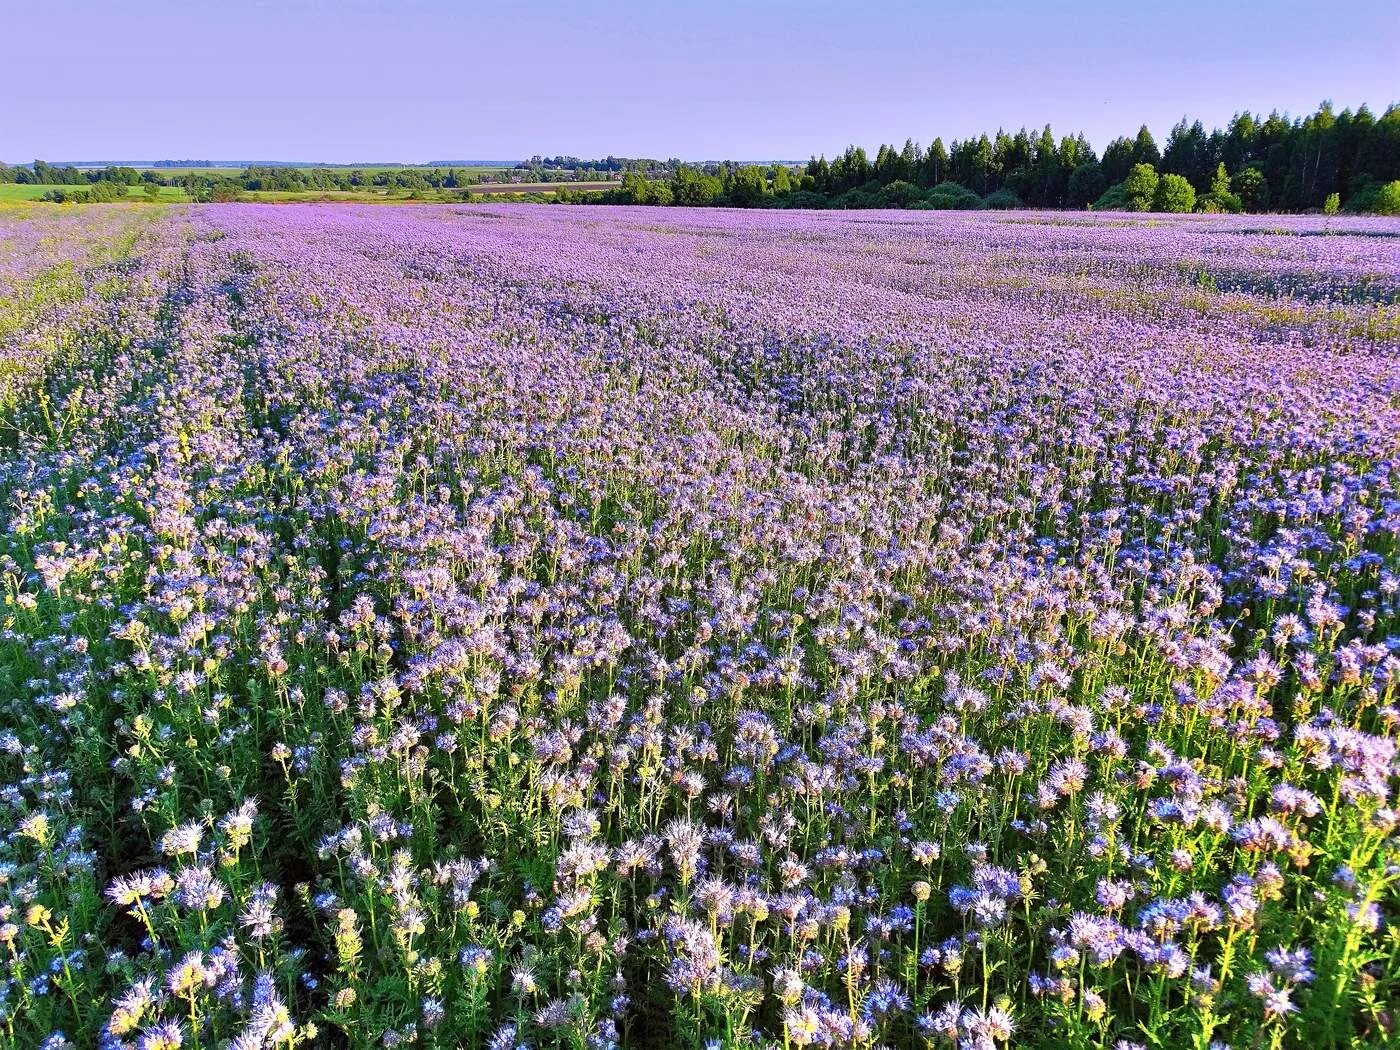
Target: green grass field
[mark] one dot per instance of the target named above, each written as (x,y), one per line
(15,192)
(168,194)
(18,192)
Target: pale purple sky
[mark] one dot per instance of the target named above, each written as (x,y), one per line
(419,80)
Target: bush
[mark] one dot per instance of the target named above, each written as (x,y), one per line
(1387,199)
(1226,203)
(802,199)
(856,198)
(1003,199)
(899,194)
(105,192)
(1173,194)
(951,196)
(1252,189)
(1140,187)
(1115,198)
(1219,198)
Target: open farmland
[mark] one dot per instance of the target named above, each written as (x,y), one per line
(16,192)
(550,627)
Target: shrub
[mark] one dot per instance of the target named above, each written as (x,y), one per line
(1219,198)
(856,198)
(1252,188)
(1226,205)
(1115,198)
(1173,194)
(802,199)
(952,196)
(106,192)
(1387,199)
(899,194)
(1003,200)
(1140,187)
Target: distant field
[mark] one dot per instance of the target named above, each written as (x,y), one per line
(177,172)
(17,192)
(168,194)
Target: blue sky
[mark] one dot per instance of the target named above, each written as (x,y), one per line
(417,80)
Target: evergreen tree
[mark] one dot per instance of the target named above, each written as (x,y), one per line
(1085,184)
(1251,186)
(1117,160)
(935,166)
(1145,148)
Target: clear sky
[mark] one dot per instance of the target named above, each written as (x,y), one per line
(419,80)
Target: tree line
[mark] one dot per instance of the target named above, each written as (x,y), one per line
(601,166)
(1326,161)
(220,186)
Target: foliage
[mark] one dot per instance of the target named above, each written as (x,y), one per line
(803,199)
(1140,187)
(691,186)
(952,196)
(1086,184)
(1173,194)
(858,197)
(745,186)
(1115,198)
(899,194)
(1272,162)
(1003,199)
(1387,199)
(1219,198)
(1252,188)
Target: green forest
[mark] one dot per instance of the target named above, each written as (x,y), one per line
(1327,161)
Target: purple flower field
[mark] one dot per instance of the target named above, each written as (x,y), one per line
(533,627)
